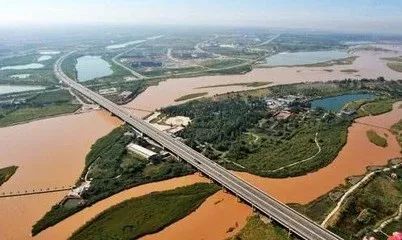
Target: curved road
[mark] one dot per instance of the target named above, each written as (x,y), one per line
(294,221)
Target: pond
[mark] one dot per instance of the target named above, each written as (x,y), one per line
(123,45)
(91,67)
(303,58)
(338,102)
(23,67)
(44,58)
(21,76)
(49,52)
(13,89)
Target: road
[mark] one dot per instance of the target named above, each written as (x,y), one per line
(295,222)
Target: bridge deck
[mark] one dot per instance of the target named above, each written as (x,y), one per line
(297,223)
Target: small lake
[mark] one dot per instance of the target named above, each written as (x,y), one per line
(4,89)
(302,58)
(338,102)
(23,67)
(49,52)
(44,58)
(20,76)
(91,67)
(123,45)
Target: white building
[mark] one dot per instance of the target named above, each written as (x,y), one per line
(137,149)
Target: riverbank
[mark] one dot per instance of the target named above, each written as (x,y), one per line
(50,153)
(370,65)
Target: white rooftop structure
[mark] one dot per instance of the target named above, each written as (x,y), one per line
(146,153)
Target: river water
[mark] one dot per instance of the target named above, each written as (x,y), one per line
(369,64)
(49,152)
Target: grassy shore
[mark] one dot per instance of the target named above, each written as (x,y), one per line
(190,96)
(376,201)
(396,66)
(376,108)
(147,214)
(6,173)
(256,229)
(363,210)
(397,130)
(27,114)
(113,169)
(376,139)
(40,105)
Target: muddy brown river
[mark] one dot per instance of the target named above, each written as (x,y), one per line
(51,153)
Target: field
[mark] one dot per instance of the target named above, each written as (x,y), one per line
(42,76)
(6,173)
(369,205)
(256,229)
(37,106)
(147,214)
(376,139)
(376,201)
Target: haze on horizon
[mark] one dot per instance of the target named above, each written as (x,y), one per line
(379,16)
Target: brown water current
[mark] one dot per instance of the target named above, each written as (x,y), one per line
(354,158)
(64,229)
(221,216)
(369,65)
(49,153)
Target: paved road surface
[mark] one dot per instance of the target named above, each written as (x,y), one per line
(295,222)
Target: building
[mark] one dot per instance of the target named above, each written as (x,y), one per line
(395,236)
(107,91)
(125,94)
(137,149)
(282,115)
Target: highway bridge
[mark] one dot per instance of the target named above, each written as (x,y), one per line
(286,216)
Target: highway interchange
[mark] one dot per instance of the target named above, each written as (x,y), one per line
(286,216)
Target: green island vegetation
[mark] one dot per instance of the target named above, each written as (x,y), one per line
(376,107)
(190,96)
(251,84)
(112,169)
(397,131)
(6,173)
(349,70)
(394,63)
(36,105)
(239,131)
(376,139)
(147,214)
(257,229)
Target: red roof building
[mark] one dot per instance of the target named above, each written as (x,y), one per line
(395,236)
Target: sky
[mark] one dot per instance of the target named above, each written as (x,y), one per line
(342,15)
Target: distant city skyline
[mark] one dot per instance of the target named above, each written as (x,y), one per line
(334,15)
